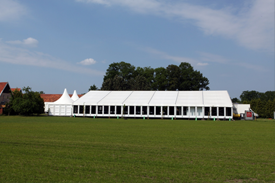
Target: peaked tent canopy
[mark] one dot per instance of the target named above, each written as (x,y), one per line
(75,96)
(64,99)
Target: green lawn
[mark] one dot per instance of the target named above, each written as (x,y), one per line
(64,149)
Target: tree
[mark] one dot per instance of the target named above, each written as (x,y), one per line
(139,83)
(268,95)
(190,79)
(126,77)
(173,77)
(269,109)
(93,87)
(107,84)
(250,95)
(235,100)
(160,81)
(28,103)
(122,69)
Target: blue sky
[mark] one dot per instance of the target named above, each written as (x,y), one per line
(51,45)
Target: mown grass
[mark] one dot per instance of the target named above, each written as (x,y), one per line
(64,149)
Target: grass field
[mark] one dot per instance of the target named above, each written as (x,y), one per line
(64,149)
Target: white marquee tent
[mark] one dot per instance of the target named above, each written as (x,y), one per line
(155,104)
(61,107)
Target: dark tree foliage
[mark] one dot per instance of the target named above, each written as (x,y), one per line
(261,103)
(93,87)
(124,76)
(160,79)
(250,95)
(190,79)
(28,103)
(121,69)
(235,100)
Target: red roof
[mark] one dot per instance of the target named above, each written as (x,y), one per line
(14,89)
(2,86)
(53,97)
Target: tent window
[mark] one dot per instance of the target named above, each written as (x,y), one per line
(151,110)
(132,110)
(93,109)
(144,109)
(118,109)
(207,111)
(137,109)
(199,111)
(75,109)
(185,111)
(87,109)
(81,109)
(171,110)
(178,110)
(164,110)
(158,110)
(106,109)
(228,111)
(214,111)
(221,111)
(112,110)
(192,111)
(125,109)
(99,109)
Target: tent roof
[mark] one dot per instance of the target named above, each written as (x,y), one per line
(190,98)
(164,98)
(91,98)
(64,99)
(115,98)
(139,98)
(75,96)
(157,98)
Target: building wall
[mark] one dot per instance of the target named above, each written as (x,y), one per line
(4,98)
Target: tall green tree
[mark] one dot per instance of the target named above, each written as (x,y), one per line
(121,69)
(160,79)
(173,77)
(190,79)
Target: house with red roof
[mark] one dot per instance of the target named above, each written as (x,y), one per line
(5,94)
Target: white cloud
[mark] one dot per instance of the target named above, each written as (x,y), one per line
(26,42)
(252,27)
(22,56)
(202,64)
(88,61)
(11,10)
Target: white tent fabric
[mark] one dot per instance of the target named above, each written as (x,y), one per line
(157,98)
(184,104)
(139,98)
(91,98)
(64,99)
(63,106)
(75,96)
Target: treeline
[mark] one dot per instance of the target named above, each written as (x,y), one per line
(124,76)
(29,103)
(261,103)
